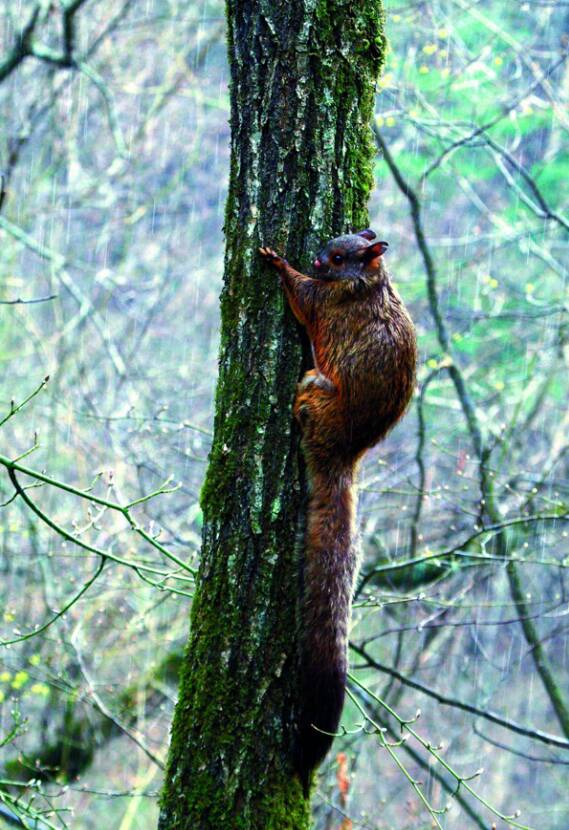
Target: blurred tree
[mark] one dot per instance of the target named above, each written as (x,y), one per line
(303,78)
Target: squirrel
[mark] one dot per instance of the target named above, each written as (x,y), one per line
(364,351)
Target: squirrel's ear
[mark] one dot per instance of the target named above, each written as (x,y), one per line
(375,250)
(367,234)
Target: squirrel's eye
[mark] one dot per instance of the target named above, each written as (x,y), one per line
(337,259)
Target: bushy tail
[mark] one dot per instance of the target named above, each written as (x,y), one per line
(329,573)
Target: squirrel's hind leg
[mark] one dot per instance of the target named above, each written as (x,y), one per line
(317,410)
(314,394)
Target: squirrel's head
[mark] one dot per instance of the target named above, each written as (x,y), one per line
(350,257)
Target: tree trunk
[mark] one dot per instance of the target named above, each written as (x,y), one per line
(302,89)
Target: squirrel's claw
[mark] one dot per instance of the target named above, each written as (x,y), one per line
(272,257)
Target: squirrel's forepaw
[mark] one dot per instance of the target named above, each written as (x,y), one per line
(273,258)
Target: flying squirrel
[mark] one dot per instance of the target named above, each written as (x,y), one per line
(364,351)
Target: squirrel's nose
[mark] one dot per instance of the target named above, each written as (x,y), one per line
(317,263)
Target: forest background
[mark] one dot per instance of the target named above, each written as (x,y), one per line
(111,260)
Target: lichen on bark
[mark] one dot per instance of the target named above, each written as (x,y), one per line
(303,77)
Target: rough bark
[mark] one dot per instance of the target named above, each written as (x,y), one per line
(303,76)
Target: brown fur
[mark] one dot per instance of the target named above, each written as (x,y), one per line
(364,349)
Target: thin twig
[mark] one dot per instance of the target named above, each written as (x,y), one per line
(507,723)
(20,301)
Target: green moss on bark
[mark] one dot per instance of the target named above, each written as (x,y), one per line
(303,76)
